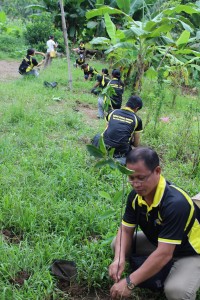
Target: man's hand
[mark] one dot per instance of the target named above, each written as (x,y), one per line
(116,269)
(120,290)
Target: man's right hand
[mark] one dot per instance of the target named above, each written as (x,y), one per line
(116,269)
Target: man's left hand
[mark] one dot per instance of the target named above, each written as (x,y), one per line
(119,290)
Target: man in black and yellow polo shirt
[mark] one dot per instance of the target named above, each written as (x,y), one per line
(170,230)
(89,72)
(124,127)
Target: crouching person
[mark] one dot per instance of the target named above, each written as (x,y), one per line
(29,62)
(166,252)
(123,129)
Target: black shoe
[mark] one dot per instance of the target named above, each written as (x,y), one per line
(53,84)
(50,84)
(47,84)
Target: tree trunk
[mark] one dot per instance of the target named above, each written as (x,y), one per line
(139,74)
(64,28)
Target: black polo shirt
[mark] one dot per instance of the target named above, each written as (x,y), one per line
(103,80)
(90,71)
(172,218)
(122,123)
(118,86)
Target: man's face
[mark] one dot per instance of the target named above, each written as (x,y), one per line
(143,180)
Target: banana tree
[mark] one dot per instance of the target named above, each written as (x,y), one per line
(147,38)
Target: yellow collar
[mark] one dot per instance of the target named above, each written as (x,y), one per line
(158,195)
(128,108)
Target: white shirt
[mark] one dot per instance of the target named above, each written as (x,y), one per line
(50,45)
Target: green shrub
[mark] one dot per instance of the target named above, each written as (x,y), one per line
(38,31)
(11,44)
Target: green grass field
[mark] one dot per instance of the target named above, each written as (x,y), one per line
(51,203)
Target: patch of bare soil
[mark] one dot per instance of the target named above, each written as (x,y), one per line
(86,109)
(187,90)
(19,278)
(77,292)
(9,70)
(10,237)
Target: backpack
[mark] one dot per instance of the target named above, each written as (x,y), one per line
(24,65)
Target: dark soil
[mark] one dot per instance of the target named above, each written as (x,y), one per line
(77,292)
(19,278)
(10,237)
(86,109)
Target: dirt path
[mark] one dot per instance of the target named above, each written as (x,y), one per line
(9,70)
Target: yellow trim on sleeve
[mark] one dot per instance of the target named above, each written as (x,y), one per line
(128,224)
(175,242)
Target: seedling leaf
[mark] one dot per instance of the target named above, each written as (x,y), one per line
(109,213)
(109,162)
(123,169)
(94,151)
(117,197)
(102,146)
(105,195)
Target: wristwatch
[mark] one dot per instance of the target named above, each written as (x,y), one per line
(130,284)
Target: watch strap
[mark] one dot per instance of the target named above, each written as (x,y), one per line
(130,284)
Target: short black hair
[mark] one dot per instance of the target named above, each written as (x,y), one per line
(84,66)
(146,154)
(116,73)
(134,102)
(51,37)
(30,51)
(105,71)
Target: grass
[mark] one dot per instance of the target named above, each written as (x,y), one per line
(49,188)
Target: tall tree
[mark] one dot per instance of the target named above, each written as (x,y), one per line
(64,27)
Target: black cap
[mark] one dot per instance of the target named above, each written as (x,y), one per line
(134,102)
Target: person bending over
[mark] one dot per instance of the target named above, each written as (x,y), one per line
(123,129)
(102,81)
(89,72)
(117,84)
(80,61)
(170,233)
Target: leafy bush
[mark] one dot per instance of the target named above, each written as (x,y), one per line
(38,31)
(11,45)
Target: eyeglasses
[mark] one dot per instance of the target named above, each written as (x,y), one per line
(139,179)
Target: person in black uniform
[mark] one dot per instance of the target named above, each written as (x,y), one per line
(170,233)
(102,81)
(80,61)
(123,129)
(80,49)
(29,62)
(89,72)
(117,84)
